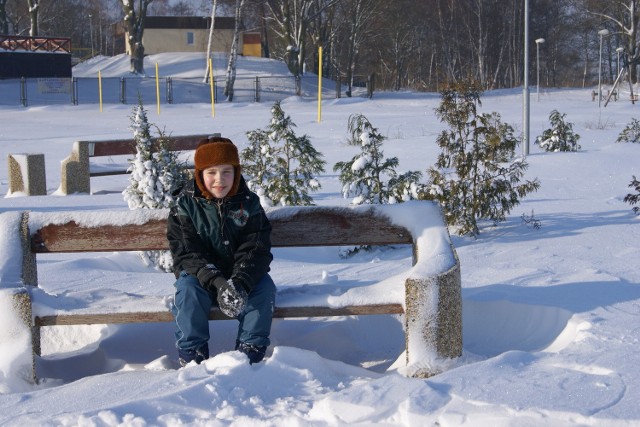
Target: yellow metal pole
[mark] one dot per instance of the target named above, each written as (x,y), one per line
(100,89)
(319,84)
(212,88)
(157,88)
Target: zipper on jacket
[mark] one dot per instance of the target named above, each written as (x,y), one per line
(219,204)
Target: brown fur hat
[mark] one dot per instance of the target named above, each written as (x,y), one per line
(215,151)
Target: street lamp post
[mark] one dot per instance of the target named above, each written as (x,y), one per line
(602,33)
(538,43)
(91,33)
(525,89)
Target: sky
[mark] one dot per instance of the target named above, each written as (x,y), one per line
(550,315)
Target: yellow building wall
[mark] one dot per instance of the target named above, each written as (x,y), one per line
(176,40)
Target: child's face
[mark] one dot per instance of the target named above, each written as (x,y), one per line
(218,180)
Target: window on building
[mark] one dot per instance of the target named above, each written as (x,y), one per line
(190,37)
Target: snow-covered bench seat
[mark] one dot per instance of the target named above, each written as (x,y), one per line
(76,170)
(429,291)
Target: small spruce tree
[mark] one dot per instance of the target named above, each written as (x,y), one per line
(173,173)
(370,178)
(631,133)
(142,174)
(475,176)
(155,173)
(560,137)
(281,166)
(259,164)
(632,198)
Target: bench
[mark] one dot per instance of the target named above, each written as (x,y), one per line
(432,304)
(76,170)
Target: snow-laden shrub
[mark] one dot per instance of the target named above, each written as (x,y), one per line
(632,198)
(280,165)
(369,177)
(155,173)
(476,175)
(631,133)
(560,137)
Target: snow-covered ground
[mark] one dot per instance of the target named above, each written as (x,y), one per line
(551,316)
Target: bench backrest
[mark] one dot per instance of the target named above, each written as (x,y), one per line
(295,227)
(115,147)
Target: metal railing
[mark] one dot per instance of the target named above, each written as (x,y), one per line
(174,90)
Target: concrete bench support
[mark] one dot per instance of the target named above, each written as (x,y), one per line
(22,308)
(440,298)
(27,174)
(75,170)
(18,334)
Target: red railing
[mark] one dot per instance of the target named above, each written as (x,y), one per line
(47,44)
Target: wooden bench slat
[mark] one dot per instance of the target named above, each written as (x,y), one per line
(282,312)
(122,171)
(307,227)
(71,237)
(110,173)
(216,314)
(117,147)
(328,227)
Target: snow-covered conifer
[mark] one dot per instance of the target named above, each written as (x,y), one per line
(280,165)
(142,175)
(560,137)
(631,133)
(370,178)
(155,173)
(475,175)
(173,172)
(634,198)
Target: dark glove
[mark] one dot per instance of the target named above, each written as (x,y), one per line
(232,298)
(207,275)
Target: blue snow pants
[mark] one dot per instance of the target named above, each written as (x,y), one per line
(192,304)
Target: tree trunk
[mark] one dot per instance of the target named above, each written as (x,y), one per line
(134,23)
(33,14)
(353,37)
(264,40)
(4,19)
(233,55)
(214,5)
(301,34)
(634,14)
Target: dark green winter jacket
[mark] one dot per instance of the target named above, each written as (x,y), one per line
(232,233)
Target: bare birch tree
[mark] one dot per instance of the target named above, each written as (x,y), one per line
(34,9)
(209,59)
(233,55)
